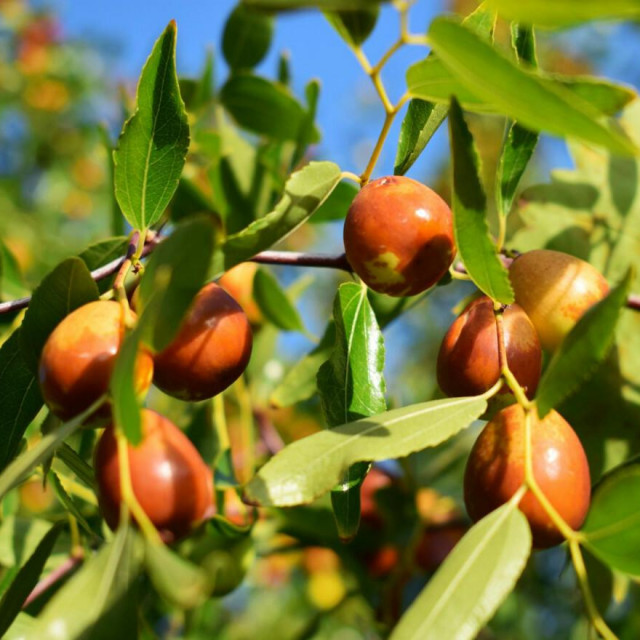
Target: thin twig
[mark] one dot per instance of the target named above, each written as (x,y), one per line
(55,576)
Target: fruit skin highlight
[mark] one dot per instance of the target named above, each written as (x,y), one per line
(496,469)
(398,236)
(469,358)
(78,358)
(170,479)
(210,351)
(555,289)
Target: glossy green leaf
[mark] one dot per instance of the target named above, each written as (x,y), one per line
(93,592)
(354,27)
(20,399)
(180,582)
(519,93)
(351,386)
(477,250)
(64,289)
(562,13)
(274,303)
(246,37)
(612,528)
(422,120)
(45,447)
(351,382)
(25,580)
(304,192)
(154,141)
(299,383)
(101,253)
(335,207)
(311,466)
(263,106)
(325,5)
(174,274)
(520,142)
(582,350)
(476,577)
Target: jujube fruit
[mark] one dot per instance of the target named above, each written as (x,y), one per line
(555,290)
(78,358)
(169,478)
(398,236)
(238,283)
(210,351)
(496,470)
(469,358)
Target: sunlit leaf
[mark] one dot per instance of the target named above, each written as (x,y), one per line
(154,141)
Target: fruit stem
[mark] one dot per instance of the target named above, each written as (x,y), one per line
(349,175)
(130,502)
(507,374)
(534,487)
(592,611)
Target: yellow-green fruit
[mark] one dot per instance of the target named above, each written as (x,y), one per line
(555,290)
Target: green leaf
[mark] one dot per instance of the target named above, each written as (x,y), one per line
(562,13)
(20,399)
(95,592)
(421,121)
(477,250)
(274,303)
(517,92)
(520,142)
(66,288)
(304,192)
(77,465)
(309,467)
(472,582)
(423,118)
(19,539)
(612,528)
(264,107)
(351,386)
(69,504)
(308,130)
(325,5)
(122,387)
(582,350)
(180,582)
(25,580)
(45,448)
(154,141)
(11,281)
(246,38)
(335,207)
(173,276)
(354,27)
(299,383)
(351,382)
(101,253)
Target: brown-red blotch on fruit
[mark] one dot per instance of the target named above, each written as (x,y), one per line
(555,290)
(398,236)
(211,350)
(78,358)
(170,479)
(496,470)
(469,359)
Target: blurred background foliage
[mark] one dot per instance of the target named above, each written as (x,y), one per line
(60,110)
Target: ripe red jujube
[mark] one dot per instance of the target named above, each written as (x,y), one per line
(169,478)
(496,470)
(211,350)
(398,236)
(469,360)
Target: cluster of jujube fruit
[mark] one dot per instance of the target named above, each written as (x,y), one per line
(399,239)
(169,478)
